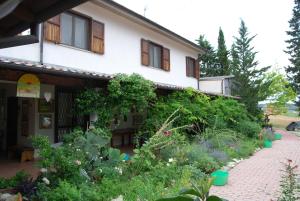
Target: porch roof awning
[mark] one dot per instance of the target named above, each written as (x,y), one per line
(24,65)
(37,67)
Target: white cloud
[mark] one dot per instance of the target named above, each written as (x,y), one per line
(190,18)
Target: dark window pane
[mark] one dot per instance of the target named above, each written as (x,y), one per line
(81,33)
(66,29)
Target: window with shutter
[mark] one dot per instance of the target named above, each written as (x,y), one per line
(155,55)
(52,29)
(74,30)
(192,67)
(97,42)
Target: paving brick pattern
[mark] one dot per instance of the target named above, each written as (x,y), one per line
(257,178)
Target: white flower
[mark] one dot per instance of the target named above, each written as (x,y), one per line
(101,157)
(77,149)
(70,144)
(124,161)
(119,170)
(43,170)
(171,160)
(100,170)
(168,164)
(78,162)
(46,181)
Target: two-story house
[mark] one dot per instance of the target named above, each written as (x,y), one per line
(85,46)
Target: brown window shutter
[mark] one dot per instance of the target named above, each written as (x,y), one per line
(187,68)
(97,39)
(197,69)
(166,59)
(145,52)
(52,29)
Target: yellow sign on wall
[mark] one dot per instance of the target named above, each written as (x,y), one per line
(28,86)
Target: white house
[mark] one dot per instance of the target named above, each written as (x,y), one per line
(86,45)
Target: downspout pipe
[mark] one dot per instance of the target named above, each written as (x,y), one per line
(42,44)
(198,77)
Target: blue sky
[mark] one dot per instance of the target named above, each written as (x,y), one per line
(190,18)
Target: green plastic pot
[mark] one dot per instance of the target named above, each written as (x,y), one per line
(267,144)
(278,136)
(220,177)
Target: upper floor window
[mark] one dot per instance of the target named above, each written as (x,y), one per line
(155,55)
(192,67)
(75,30)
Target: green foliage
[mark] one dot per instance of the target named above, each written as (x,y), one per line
(124,93)
(222,54)
(214,62)
(229,111)
(84,156)
(248,77)
(165,138)
(279,93)
(290,187)
(293,47)
(249,128)
(193,110)
(63,192)
(127,92)
(14,181)
(199,191)
(209,66)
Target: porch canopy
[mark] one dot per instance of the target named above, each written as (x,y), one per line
(17,16)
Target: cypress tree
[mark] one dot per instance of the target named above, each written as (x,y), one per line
(208,60)
(293,48)
(248,78)
(222,54)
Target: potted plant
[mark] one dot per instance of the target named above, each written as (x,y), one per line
(278,136)
(220,177)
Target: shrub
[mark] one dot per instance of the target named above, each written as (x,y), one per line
(194,110)
(230,111)
(248,128)
(14,181)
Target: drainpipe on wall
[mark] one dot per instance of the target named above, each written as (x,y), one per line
(42,44)
(198,77)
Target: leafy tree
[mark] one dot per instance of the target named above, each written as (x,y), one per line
(279,92)
(222,54)
(209,66)
(293,48)
(248,77)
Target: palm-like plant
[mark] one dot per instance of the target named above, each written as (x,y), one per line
(198,192)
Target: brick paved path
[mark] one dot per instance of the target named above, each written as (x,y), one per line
(257,178)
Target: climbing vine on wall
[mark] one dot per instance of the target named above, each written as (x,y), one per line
(124,93)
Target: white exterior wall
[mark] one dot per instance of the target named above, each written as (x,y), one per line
(212,86)
(122,50)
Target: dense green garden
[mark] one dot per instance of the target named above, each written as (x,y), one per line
(186,135)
